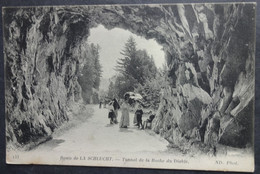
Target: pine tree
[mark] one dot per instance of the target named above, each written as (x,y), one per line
(129,54)
(135,67)
(89,76)
(97,65)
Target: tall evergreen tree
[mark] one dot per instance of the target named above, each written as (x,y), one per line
(97,65)
(135,67)
(89,77)
(129,54)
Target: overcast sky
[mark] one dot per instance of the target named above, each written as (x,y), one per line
(112,43)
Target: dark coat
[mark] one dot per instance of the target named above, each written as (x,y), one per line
(111,114)
(116,105)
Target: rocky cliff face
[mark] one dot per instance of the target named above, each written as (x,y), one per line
(42,61)
(209,51)
(212,58)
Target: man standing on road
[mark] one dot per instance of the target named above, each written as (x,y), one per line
(116,108)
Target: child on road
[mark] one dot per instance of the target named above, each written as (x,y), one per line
(139,114)
(148,122)
(111,114)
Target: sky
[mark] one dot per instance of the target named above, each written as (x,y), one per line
(112,43)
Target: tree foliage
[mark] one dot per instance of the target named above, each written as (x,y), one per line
(152,88)
(135,68)
(89,76)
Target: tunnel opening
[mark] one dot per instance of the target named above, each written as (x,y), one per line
(105,61)
(198,57)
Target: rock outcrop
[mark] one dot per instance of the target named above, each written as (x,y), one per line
(41,68)
(209,51)
(213,72)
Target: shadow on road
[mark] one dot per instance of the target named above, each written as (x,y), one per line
(111,125)
(124,130)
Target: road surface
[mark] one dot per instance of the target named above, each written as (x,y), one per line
(96,134)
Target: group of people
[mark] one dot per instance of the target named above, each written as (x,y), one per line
(125,109)
(113,111)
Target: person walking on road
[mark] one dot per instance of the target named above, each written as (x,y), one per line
(111,113)
(116,107)
(124,122)
(100,104)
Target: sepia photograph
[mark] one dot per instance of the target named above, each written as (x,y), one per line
(165,86)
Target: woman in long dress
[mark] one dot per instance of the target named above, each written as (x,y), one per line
(124,122)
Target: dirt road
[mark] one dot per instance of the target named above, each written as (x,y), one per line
(96,134)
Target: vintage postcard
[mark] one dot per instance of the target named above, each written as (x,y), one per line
(167,86)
